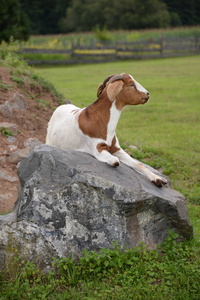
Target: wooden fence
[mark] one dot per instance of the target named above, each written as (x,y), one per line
(164,47)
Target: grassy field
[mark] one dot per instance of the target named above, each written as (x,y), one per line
(166,134)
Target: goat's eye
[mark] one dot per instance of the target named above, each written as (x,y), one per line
(132,84)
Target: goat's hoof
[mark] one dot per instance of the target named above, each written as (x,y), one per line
(159,182)
(116,164)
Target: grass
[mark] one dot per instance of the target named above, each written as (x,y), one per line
(170,272)
(166,129)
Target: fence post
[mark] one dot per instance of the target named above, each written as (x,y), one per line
(72,49)
(116,47)
(197,43)
(161,44)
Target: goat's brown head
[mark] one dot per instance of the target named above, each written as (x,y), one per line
(124,89)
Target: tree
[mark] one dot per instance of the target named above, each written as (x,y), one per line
(13,21)
(183,12)
(45,16)
(33,9)
(116,14)
(134,14)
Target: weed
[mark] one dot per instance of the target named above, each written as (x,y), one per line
(18,80)
(6,132)
(5,87)
(37,80)
(28,284)
(34,116)
(70,273)
(41,102)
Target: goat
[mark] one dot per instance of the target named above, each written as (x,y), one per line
(92,129)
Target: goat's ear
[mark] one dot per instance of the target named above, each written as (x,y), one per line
(114,89)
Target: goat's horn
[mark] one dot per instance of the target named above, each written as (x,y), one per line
(116,77)
(103,85)
(108,80)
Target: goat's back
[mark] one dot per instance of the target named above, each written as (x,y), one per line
(63,127)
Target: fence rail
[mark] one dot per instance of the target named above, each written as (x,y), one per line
(164,47)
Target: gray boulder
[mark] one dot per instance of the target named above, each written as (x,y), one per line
(69,201)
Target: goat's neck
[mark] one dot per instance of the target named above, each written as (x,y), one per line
(110,116)
(99,120)
(112,124)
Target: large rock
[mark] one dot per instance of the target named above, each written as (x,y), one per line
(69,201)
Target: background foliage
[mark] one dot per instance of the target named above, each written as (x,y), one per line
(20,18)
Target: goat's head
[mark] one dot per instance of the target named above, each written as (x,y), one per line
(124,89)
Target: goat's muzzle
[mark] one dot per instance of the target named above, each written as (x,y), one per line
(146,98)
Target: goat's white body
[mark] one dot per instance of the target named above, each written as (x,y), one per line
(64,132)
(63,128)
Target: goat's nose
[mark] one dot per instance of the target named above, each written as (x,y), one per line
(148,93)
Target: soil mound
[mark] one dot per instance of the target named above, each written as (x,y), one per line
(25,110)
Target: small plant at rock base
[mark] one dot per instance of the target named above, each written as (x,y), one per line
(102,263)
(170,242)
(70,272)
(6,132)
(174,249)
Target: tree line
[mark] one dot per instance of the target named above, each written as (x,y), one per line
(20,18)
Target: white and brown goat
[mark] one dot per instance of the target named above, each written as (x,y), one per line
(92,129)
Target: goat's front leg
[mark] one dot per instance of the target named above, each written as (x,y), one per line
(139,167)
(106,157)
